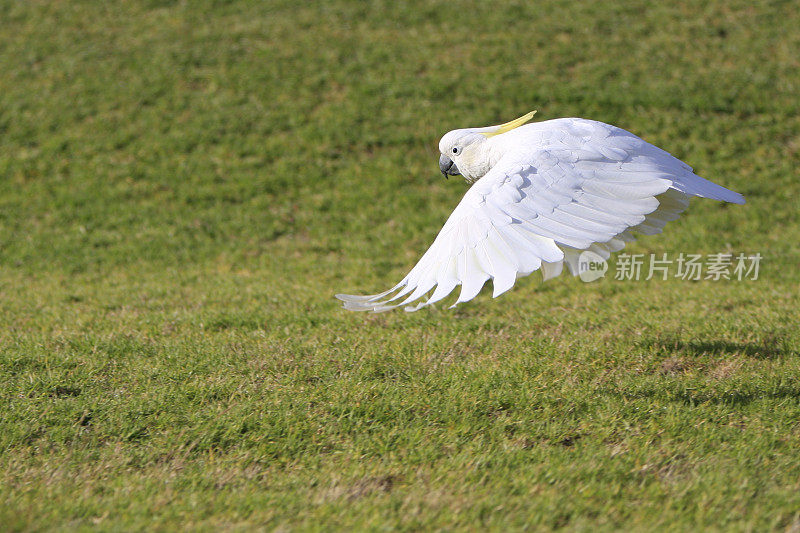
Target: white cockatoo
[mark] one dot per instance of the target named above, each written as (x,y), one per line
(542,194)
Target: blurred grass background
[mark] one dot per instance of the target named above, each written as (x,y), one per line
(184,185)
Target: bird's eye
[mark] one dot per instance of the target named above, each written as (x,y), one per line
(456,150)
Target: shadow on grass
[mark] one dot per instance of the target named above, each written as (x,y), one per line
(712,361)
(736,398)
(770,347)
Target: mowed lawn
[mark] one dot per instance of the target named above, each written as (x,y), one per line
(185,185)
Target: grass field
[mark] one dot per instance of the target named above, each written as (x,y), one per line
(185,185)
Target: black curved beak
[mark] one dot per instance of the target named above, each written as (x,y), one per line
(447,167)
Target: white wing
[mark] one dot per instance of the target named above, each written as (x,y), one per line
(572,185)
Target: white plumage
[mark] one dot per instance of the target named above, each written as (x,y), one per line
(542,193)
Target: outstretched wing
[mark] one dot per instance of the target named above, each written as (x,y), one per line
(584,186)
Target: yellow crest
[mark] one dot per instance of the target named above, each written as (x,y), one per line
(508,126)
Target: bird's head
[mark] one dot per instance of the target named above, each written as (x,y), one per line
(463,152)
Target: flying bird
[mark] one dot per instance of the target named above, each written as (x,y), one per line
(541,194)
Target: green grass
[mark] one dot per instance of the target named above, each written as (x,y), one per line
(185,185)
